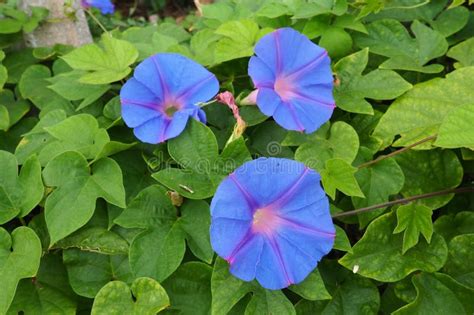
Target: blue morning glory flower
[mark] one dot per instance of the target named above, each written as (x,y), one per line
(164,92)
(271,222)
(294,80)
(105,6)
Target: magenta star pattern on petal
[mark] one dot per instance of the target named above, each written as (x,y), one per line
(294,80)
(163,94)
(271,222)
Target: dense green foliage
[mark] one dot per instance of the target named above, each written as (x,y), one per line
(89,216)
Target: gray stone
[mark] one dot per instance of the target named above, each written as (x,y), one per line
(61,27)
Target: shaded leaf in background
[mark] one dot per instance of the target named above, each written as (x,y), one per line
(378,254)
(48,293)
(227,291)
(439,294)
(460,255)
(189,288)
(430,171)
(414,220)
(88,272)
(116,298)
(20,255)
(166,232)
(378,182)
(452,225)
(354,87)
(19,193)
(355,295)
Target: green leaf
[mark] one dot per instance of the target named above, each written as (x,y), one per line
(195,221)
(338,174)
(195,148)
(414,220)
(430,171)
(72,202)
(89,142)
(239,38)
(391,39)
(355,295)
(354,87)
(13,109)
(438,294)
(19,194)
(463,53)
(203,45)
(456,130)
(95,239)
(378,182)
(68,86)
(189,288)
(451,21)
(341,142)
(342,242)
(17,63)
(88,272)
(226,289)
(187,183)
(49,293)
(107,63)
(269,302)
(20,256)
(149,297)
(419,112)
(168,251)
(3,71)
(460,255)
(312,288)
(452,225)
(152,209)
(33,85)
(336,41)
(35,139)
(378,254)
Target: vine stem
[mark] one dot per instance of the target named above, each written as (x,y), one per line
(404,200)
(97,21)
(383,157)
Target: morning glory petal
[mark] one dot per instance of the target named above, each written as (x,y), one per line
(243,264)
(227,235)
(270,220)
(298,73)
(105,6)
(164,92)
(152,130)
